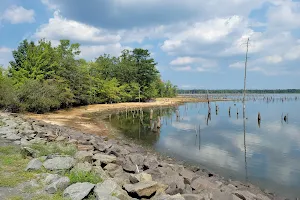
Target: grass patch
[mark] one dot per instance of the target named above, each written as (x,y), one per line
(56,196)
(8,150)
(12,166)
(54,148)
(15,198)
(82,176)
(2,123)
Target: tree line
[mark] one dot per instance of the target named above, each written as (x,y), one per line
(42,78)
(239,91)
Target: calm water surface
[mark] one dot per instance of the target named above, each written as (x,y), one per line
(267,155)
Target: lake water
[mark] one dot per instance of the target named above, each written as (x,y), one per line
(265,154)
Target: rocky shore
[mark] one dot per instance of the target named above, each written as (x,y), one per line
(119,169)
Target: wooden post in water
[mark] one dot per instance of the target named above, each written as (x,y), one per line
(229,111)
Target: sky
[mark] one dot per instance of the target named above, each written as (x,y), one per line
(198,44)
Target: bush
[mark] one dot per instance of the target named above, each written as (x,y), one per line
(8,95)
(39,96)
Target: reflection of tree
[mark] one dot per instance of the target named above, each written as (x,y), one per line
(245,147)
(137,125)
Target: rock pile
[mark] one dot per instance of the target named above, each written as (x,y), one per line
(127,170)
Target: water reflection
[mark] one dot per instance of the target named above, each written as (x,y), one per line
(264,152)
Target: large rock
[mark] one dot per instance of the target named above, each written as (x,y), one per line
(175,183)
(187,175)
(193,197)
(151,162)
(12,136)
(113,169)
(128,166)
(85,147)
(78,191)
(141,177)
(109,188)
(245,195)
(84,156)
(86,167)
(34,164)
(216,194)
(102,146)
(102,158)
(122,179)
(58,185)
(202,183)
(100,172)
(142,189)
(137,159)
(50,178)
(59,163)
(169,197)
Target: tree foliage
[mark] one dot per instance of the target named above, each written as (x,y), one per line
(42,77)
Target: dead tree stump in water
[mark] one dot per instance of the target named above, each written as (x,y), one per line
(151,114)
(158,122)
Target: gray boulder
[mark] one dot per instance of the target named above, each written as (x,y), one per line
(50,178)
(175,183)
(113,169)
(142,189)
(78,191)
(141,177)
(59,163)
(102,146)
(128,166)
(102,158)
(34,164)
(84,156)
(12,136)
(187,175)
(100,172)
(244,194)
(137,159)
(202,183)
(109,188)
(60,184)
(86,167)
(151,162)
(169,197)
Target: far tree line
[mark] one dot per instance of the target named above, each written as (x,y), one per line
(239,91)
(42,78)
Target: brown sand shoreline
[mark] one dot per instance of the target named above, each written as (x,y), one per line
(78,117)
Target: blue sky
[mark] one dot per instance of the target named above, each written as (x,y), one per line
(197,43)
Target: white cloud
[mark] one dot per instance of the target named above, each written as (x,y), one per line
(186,68)
(238,65)
(293,53)
(182,61)
(50,5)
(284,15)
(273,59)
(18,14)
(91,52)
(62,28)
